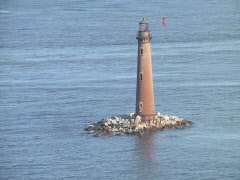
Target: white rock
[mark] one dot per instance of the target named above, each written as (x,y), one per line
(166,117)
(114,130)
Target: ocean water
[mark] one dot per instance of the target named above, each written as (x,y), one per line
(65,64)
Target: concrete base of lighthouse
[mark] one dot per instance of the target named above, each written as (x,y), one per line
(135,125)
(149,117)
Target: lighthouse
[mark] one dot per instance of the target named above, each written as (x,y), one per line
(145,118)
(144,92)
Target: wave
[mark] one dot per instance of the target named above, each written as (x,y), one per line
(5,12)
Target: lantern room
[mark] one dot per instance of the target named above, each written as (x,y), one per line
(143,25)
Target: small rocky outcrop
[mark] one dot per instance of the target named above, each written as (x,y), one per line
(129,124)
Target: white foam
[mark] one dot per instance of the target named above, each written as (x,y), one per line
(5,11)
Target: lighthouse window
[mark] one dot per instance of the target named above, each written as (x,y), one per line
(141,77)
(141,51)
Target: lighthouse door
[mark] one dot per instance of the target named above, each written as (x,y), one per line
(140,106)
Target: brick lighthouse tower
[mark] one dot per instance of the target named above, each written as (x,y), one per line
(144,94)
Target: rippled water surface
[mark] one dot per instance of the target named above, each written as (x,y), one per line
(65,64)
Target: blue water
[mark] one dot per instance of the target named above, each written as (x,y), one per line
(65,64)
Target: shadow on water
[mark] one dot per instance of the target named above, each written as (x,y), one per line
(146,146)
(147,156)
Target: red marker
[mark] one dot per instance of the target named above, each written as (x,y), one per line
(164,20)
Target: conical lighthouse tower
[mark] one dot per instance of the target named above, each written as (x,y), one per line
(144,94)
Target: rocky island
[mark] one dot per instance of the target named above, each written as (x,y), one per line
(129,124)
